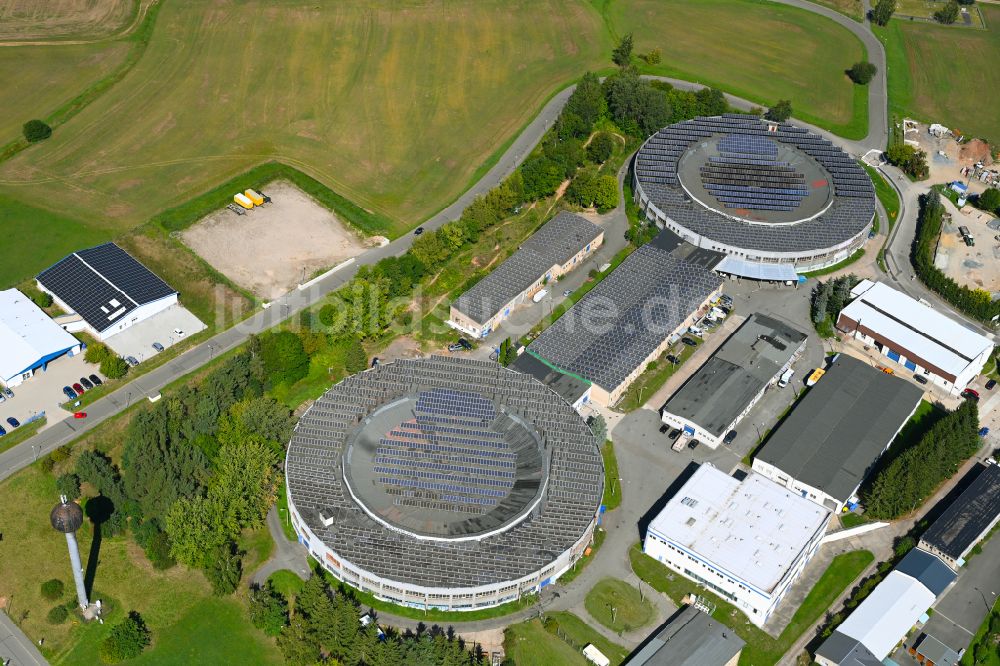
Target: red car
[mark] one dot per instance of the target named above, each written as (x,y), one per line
(80,415)
(971,394)
(78,388)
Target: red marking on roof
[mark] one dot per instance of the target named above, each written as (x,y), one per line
(742,211)
(820,183)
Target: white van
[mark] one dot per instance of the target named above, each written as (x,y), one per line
(540,295)
(786,377)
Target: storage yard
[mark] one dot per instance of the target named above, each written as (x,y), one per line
(270,248)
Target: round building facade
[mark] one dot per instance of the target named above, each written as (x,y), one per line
(766,194)
(444,483)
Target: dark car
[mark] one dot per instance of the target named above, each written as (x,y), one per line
(970,394)
(871,234)
(86,383)
(920,379)
(693,444)
(418,231)
(375,361)
(14,423)
(675,434)
(730,436)
(689,342)
(990,385)
(2,431)
(131,361)
(78,389)
(670,358)
(95,380)
(70,393)
(158,347)
(465,344)
(664,428)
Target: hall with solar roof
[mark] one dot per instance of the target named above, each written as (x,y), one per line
(443,482)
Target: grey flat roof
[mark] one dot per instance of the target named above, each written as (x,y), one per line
(850,213)
(556,242)
(957,529)
(846,651)
(567,386)
(621,321)
(937,652)
(690,638)
(934,574)
(722,388)
(840,428)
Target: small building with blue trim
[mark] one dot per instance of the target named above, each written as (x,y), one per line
(29,339)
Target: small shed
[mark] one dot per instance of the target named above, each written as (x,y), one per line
(595,656)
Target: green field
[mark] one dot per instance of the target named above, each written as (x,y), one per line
(619,606)
(528,644)
(936,74)
(733,44)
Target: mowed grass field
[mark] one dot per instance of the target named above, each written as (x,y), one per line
(25,20)
(757,50)
(939,74)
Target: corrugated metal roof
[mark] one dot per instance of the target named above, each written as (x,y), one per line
(691,638)
(935,575)
(957,529)
(884,617)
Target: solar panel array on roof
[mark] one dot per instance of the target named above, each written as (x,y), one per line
(103,284)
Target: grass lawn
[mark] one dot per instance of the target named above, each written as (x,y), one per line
(619,606)
(654,377)
(731,44)
(25,20)
(837,266)
(612,486)
(849,520)
(571,629)
(286,521)
(925,9)
(581,564)
(931,69)
(852,8)
(286,582)
(20,434)
(886,194)
(761,647)
(528,644)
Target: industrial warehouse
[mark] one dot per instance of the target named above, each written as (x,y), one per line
(624,323)
(444,483)
(774,197)
(746,540)
(722,391)
(834,436)
(29,339)
(555,249)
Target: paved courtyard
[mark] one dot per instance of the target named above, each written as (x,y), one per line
(137,341)
(43,392)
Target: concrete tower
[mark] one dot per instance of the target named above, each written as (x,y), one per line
(67,517)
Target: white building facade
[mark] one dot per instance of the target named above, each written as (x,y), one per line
(29,339)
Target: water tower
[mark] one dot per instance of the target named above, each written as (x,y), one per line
(67,517)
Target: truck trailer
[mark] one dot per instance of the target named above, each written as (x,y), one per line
(243,200)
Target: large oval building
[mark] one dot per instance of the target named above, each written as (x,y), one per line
(444,483)
(775,198)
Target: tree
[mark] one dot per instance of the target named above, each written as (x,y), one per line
(780,112)
(285,360)
(261,418)
(947,14)
(245,485)
(883,11)
(653,57)
(36,130)
(224,570)
(158,552)
(601,147)
(126,640)
(195,528)
(114,367)
(356,359)
(862,72)
(268,609)
(53,589)
(57,615)
(912,161)
(605,193)
(69,485)
(297,644)
(622,54)
(820,301)
(96,353)
(541,178)
(989,200)
(636,106)
(599,427)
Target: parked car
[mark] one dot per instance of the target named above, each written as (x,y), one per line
(69,393)
(693,444)
(7,392)
(179,333)
(86,383)
(131,361)
(567,292)
(540,295)
(2,431)
(730,436)
(14,423)
(158,347)
(78,388)
(990,385)
(983,432)
(871,234)
(418,231)
(456,348)
(80,415)
(971,394)
(375,361)
(95,380)
(689,342)
(670,358)
(675,433)
(920,379)
(2,398)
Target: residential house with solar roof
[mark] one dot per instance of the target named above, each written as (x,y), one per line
(107,288)
(557,248)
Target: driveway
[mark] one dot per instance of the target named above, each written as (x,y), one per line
(137,341)
(43,392)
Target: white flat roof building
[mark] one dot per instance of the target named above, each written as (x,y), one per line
(746,540)
(915,335)
(29,339)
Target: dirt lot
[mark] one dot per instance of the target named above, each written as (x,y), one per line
(276,246)
(946,157)
(977,266)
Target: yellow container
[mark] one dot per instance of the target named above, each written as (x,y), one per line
(255,197)
(243,200)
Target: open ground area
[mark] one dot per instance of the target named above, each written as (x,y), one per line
(276,246)
(925,9)
(64,19)
(932,67)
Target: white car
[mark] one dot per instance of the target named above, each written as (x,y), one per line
(540,295)
(179,333)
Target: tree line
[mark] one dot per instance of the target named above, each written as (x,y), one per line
(829,298)
(976,303)
(322,624)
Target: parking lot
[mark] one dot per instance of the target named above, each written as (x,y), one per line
(43,392)
(137,341)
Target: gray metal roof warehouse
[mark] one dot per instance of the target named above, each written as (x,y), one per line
(968,517)
(555,243)
(722,388)
(841,426)
(691,638)
(608,333)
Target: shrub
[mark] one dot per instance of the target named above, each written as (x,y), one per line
(158,552)
(355,359)
(48,464)
(57,615)
(53,589)
(284,357)
(114,367)
(60,454)
(126,640)
(268,609)
(96,353)
(947,14)
(601,147)
(780,112)
(989,200)
(862,72)
(36,130)
(42,299)
(68,485)
(224,570)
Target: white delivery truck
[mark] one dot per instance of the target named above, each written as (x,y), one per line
(786,377)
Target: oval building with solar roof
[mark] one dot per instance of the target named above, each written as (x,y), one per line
(444,483)
(775,198)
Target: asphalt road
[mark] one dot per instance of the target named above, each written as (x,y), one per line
(15,647)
